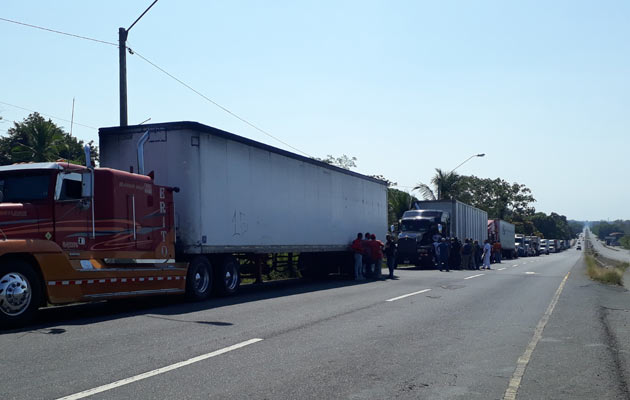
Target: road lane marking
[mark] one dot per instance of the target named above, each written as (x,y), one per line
(530,273)
(515,265)
(158,371)
(501,269)
(474,276)
(521,364)
(407,295)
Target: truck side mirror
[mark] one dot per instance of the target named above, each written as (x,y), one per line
(86,185)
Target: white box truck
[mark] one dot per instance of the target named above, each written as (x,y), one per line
(240,199)
(503,231)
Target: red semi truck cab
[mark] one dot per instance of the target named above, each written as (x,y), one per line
(71,233)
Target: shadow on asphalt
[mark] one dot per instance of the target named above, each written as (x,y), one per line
(165,307)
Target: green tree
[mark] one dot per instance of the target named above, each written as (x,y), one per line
(499,198)
(398,202)
(342,161)
(446,185)
(39,140)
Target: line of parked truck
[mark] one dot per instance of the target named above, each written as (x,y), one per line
(429,221)
(185,208)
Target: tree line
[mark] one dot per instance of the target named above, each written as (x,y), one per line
(605,228)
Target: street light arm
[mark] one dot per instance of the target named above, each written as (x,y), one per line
(142,15)
(465,161)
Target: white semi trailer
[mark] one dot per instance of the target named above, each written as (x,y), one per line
(242,199)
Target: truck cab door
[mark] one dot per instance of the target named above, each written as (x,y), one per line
(71,214)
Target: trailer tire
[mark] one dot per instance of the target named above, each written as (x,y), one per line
(228,277)
(199,279)
(20,292)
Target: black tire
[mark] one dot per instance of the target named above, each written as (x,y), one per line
(228,277)
(199,279)
(20,293)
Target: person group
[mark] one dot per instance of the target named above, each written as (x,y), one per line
(368,256)
(449,253)
(453,254)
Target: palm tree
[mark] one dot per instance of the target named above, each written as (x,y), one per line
(446,186)
(36,139)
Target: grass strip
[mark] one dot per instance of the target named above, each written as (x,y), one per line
(610,275)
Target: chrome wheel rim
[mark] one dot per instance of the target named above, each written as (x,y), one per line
(15,294)
(231,277)
(202,280)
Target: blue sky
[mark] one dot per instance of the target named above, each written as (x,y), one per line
(543,88)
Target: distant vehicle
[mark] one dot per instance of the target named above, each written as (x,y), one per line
(543,249)
(552,248)
(502,231)
(519,241)
(578,247)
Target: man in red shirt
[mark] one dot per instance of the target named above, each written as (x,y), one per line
(357,249)
(376,249)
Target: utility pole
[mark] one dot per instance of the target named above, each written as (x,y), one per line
(122,65)
(122,60)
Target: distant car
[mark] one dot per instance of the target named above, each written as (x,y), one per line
(578,247)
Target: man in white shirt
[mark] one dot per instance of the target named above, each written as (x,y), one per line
(487,249)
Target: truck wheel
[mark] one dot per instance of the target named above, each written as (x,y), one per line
(20,293)
(199,279)
(228,278)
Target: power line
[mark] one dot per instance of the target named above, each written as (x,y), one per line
(158,68)
(58,32)
(214,102)
(47,115)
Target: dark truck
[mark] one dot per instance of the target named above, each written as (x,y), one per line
(431,220)
(415,240)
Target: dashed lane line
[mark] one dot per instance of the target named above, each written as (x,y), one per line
(521,364)
(158,371)
(501,269)
(474,276)
(409,294)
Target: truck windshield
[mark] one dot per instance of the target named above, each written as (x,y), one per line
(23,188)
(415,225)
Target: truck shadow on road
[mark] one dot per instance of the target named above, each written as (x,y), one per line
(59,319)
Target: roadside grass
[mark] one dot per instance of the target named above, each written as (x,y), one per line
(612,275)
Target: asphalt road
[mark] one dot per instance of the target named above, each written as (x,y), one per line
(614,253)
(429,334)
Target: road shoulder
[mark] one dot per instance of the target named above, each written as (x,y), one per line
(584,349)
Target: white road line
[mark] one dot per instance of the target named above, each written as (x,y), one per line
(515,265)
(158,371)
(407,295)
(501,269)
(521,364)
(474,276)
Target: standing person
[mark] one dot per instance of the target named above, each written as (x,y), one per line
(442,253)
(456,250)
(436,244)
(478,254)
(376,247)
(486,255)
(496,248)
(367,254)
(357,248)
(467,252)
(390,253)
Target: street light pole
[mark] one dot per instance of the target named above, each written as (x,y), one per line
(453,170)
(122,65)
